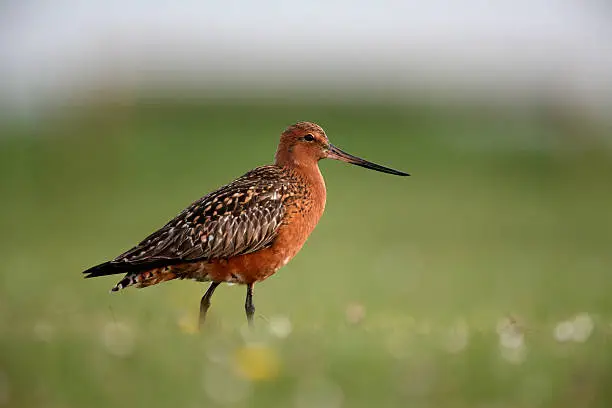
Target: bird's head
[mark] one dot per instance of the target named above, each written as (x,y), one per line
(305,143)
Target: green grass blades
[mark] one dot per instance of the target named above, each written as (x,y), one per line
(480,281)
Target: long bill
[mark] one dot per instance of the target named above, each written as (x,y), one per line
(337,154)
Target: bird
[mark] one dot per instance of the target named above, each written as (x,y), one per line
(245,231)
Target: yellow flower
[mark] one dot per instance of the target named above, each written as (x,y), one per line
(257,362)
(188,324)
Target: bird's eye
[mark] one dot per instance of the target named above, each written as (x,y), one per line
(309,138)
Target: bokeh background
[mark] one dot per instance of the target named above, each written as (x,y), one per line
(481,281)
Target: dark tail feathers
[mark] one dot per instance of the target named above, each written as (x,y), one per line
(114,268)
(107,268)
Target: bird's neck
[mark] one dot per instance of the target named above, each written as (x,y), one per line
(312,174)
(309,172)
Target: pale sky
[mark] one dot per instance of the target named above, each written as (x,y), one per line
(49,49)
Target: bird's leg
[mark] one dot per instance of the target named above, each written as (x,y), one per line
(249,307)
(205,302)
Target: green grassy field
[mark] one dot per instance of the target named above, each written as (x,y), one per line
(481,281)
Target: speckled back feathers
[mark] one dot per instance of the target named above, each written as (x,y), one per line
(239,218)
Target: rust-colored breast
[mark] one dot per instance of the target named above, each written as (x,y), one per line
(303,207)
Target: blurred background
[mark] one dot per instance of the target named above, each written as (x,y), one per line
(481,281)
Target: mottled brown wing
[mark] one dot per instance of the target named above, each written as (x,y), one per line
(239,218)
